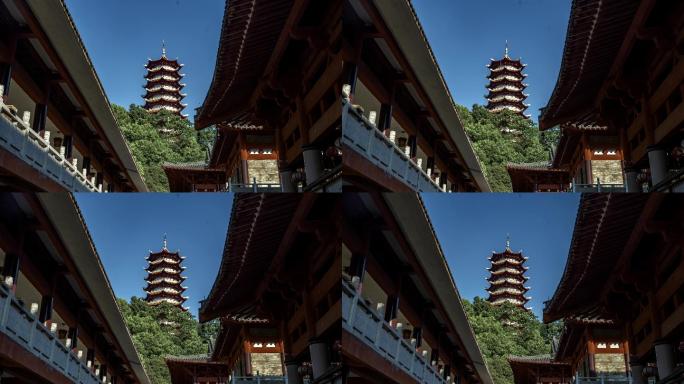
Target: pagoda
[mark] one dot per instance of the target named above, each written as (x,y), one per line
(164,278)
(163,88)
(507,278)
(506,85)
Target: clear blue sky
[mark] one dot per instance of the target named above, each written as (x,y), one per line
(121,35)
(465,34)
(470,226)
(125,227)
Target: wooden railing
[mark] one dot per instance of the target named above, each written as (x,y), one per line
(22,326)
(17,137)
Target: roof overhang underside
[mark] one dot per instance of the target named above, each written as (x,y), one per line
(596,33)
(603,225)
(250,31)
(257,226)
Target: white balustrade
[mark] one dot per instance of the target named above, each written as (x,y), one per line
(369,326)
(22,326)
(360,135)
(17,137)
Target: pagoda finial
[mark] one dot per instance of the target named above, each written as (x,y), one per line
(165,242)
(163,48)
(508,241)
(506,52)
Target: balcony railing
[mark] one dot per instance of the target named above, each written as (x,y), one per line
(359,134)
(253,187)
(24,328)
(369,326)
(674,182)
(258,380)
(603,380)
(17,137)
(588,188)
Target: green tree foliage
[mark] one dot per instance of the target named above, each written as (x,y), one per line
(502,138)
(504,330)
(155,138)
(160,331)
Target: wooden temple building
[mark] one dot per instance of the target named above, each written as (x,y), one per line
(507,278)
(277,292)
(538,177)
(275,96)
(163,86)
(620,295)
(198,369)
(506,85)
(618,99)
(164,278)
(542,369)
(402,316)
(59,320)
(401,131)
(57,129)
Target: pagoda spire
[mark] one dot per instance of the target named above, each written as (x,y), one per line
(164,277)
(163,85)
(507,277)
(506,87)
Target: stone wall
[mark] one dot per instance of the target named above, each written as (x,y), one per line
(267,364)
(607,171)
(610,363)
(265,171)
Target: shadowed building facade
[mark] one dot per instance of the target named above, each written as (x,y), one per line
(57,129)
(620,295)
(278,288)
(275,96)
(618,98)
(402,316)
(59,320)
(401,131)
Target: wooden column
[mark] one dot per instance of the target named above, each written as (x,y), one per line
(392,307)
(6,66)
(11,268)
(413,145)
(385,118)
(46,304)
(357,266)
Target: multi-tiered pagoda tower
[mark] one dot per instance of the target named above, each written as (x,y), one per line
(506,85)
(164,86)
(507,278)
(164,278)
